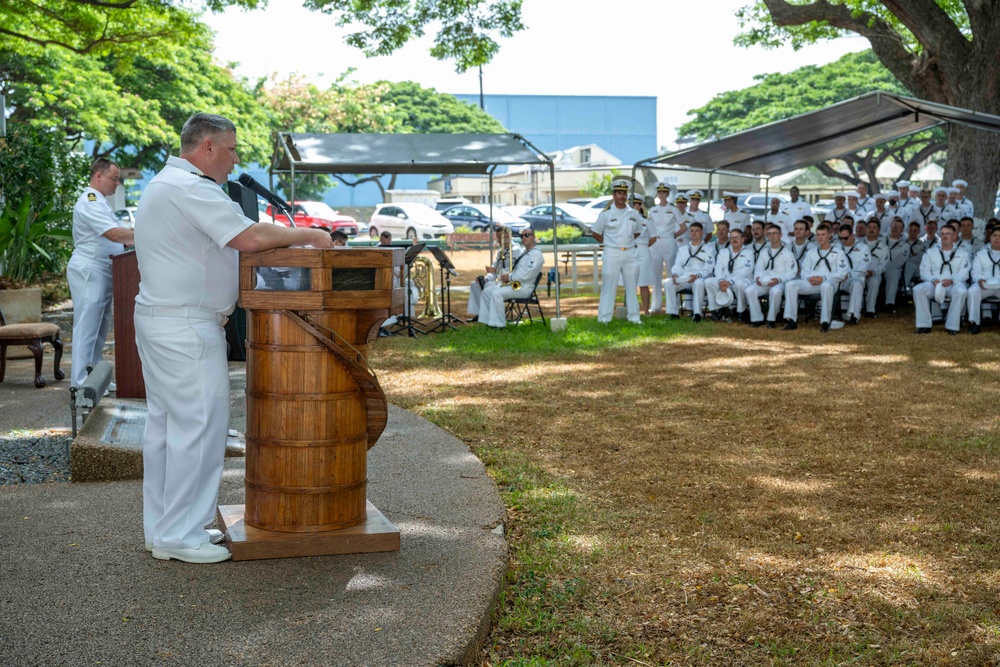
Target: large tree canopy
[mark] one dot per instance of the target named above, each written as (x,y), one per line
(940,50)
(778,96)
(426,111)
(467,29)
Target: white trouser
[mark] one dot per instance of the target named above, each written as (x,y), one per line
(796,288)
(673,299)
(922,295)
(644,260)
(712,289)
(90,286)
(855,288)
(892,277)
(662,253)
(492,310)
(617,262)
(976,296)
(187,394)
(476,292)
(774,294)
(911,271)
(872,285)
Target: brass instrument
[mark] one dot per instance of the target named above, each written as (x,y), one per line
(422,271)
(505,256)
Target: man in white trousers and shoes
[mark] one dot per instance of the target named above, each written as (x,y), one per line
(822,270)
(775,267)
(617,227)
(96,236)
(501,264)
(947,266)
(733,273)
(985,279)
(695,262)
(664,226)
(527,266)
(188,237)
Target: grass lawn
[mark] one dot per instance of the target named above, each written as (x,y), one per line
(713,494)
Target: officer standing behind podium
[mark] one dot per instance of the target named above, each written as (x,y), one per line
(188,237)
(617,227)
(96,236)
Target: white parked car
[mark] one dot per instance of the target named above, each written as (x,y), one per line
(414,221)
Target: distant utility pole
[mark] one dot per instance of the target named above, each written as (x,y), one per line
(481,105)
(3,115)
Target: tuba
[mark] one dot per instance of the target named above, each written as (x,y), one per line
(423,280)
(505,257)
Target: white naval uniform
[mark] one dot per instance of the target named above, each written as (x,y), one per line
(866,205)
(664,251)
(905,208)
(831,266)
(771,264)
(950,212)
(734,268)
(884,218)
(878,251)
(965,207)
(708,226)
(691,262)
(526,268)
(644,257)
(937,264)
(898,254)
(619,227)
(858,260)
(784,219)
(799,252)
(911,269)
(797,210)
(756,248)
(188,286)
(502,265)
(89,276)
(738,219)
(836,216)
(971,247)
(985,266)
(923,214)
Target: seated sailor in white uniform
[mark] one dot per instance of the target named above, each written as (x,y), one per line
(733,273)
(967,239)
(823,269)
(899,252)
(878,250)
(800,243)
(858,259)
(695,262)
(985,279)
(775,267)
(944,270)
(519,283)
(501,264)
(916,249)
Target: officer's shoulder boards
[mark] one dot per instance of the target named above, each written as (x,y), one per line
(608,206)
(91,196)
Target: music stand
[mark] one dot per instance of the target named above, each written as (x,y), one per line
(447,271)
(407,321)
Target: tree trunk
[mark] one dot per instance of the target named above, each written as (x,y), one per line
(975,157)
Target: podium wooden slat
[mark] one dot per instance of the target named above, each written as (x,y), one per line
(125,287)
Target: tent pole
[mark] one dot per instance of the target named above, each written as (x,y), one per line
(709,193)
(493,230)
(555,235)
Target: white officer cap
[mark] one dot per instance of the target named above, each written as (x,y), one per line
(959,181)
(902,184)
(619,184)
(636,197)
(942,191)
(729,195)
(661,186)
(681,199)
(695,194)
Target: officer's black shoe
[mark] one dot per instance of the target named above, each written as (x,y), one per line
(771,325)
(474,318)
(974,329)
(696,318)
(890,309)
(718,316)
(757,325)
(745,316)
(922,330)
(951,333)
(790,326)
(675,317)
(825,327)
(871,314)
(852,321)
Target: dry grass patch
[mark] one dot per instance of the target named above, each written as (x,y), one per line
(715,494)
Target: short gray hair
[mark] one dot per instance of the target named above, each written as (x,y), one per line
(202,125)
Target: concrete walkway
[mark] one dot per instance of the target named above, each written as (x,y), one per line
(77,588)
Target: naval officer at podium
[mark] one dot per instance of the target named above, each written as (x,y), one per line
(188,238)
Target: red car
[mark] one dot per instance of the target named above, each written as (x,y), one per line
(316,214)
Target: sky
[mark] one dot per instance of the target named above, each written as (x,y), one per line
(680,52)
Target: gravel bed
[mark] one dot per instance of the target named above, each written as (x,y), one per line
(34,457)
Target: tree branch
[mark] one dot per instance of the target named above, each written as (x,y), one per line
(124,4)
(911,165)
(935,31)
(827,170)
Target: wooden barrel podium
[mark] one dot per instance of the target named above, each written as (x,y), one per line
(314,406)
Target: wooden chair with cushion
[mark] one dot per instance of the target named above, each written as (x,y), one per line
(32,334)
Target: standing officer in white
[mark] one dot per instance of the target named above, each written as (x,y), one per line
(823,268)
(733,273)
(188,237)
(734,215)
(796,208)
(664,250)
(985,279)
(949,266)
(695,262)
(617,227)
(96,236)
(526,268)
(694,197)
(775,267)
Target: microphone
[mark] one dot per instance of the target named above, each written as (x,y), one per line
(247,181)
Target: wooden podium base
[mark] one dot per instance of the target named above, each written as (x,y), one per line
(249,543)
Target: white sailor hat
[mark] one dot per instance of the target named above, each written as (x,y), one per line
(881,195)
(902,184)
(681,199)
(724,298)
(841,195)
(953,191)
(959,181)
(938,191)
(619,184)
(662,186)
(890,194)
(695,194)
(940,291)
(853,193)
